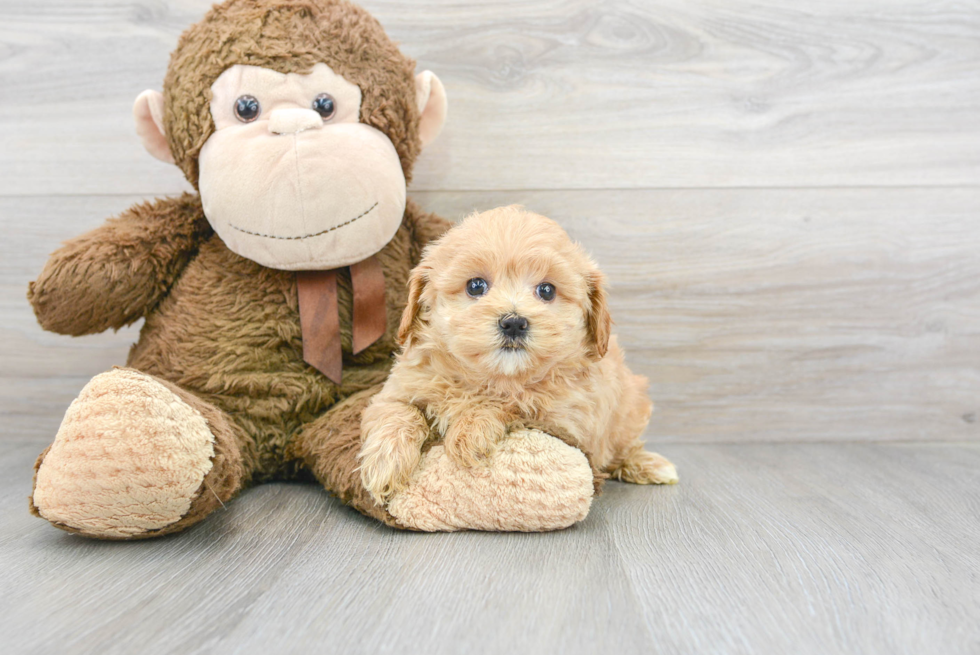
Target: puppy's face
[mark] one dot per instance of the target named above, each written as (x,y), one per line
(507,293)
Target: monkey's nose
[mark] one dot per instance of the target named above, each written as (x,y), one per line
(293,121)
(513,327)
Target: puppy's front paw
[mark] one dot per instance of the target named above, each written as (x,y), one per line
(644,467)
(472,439)
(386,466)
(393,434)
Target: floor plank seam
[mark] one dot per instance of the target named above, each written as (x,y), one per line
(829,187)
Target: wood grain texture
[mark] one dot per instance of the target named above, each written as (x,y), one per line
(758,315)
(786,198)
(761,549)
(555,94)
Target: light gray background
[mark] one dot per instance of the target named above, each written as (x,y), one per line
(786,198)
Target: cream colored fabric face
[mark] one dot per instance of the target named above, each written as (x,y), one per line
(291,189)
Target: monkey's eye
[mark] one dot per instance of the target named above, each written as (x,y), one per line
(324,105)
(477,287)
(247,109)
(545,291)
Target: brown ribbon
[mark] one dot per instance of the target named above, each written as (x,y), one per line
(368,280)
(320,320)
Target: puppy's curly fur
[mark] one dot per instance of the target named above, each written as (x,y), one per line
(460,377)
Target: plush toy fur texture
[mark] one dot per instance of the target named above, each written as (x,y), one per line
(221,345)
(289,37)
(137,418)
(226,330)
(521,487)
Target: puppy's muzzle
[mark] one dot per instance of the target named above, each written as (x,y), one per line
(514,329)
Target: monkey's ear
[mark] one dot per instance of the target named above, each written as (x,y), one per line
(598,320)
(410,317)
(430,96)
(148,112)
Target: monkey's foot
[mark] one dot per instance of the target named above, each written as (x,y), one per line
(129,458)
(532,483)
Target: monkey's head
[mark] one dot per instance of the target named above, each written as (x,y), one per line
(298,121)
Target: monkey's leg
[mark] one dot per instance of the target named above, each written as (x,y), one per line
(137,457)
(533,482)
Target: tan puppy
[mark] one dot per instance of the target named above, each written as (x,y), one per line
(507,325)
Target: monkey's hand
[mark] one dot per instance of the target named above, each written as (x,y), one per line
(472,437)
(392,434)
(115,274)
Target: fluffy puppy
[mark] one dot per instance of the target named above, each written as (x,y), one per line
(507,325)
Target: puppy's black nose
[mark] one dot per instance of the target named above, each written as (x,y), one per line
(513,327)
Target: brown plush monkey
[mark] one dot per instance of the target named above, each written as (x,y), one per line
(272,296)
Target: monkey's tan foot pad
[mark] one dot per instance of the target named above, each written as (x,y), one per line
(129,457)
(533,483)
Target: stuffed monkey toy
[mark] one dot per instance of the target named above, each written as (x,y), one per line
(271,296)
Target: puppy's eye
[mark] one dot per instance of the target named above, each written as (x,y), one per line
(477,287)
(324,105)
(247,109)
(545,291)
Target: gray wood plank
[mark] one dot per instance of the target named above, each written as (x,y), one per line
(574,93)
(759,315)
(817,548)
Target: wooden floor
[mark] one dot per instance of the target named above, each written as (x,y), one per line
(786,199)
(789,548)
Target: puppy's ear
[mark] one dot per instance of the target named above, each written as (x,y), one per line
(598,320)
(410,317)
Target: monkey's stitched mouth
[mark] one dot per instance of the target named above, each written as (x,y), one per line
(307,236)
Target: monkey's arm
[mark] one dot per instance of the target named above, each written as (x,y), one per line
(113,275)
(425,228)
